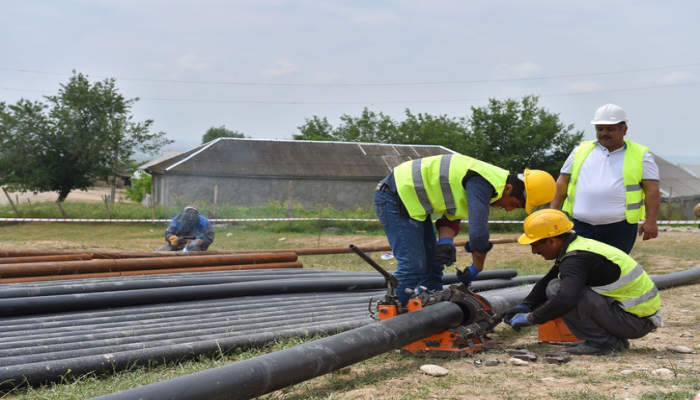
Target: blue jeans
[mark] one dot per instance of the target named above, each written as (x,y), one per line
(619,234)
(413,243)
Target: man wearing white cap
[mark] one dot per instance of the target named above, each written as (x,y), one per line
(608,185)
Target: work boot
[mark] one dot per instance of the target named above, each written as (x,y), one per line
(625,343)
(586,350)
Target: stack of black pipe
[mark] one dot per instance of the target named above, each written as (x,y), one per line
(104,325)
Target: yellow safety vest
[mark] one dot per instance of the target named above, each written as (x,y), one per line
(634,290)
(434,184)
(632,172)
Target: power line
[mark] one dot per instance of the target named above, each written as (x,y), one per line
(368,84)
(378,102)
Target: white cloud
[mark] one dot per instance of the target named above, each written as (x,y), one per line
(515,71)
(678,77)
(191,62)
(586,86)
(283,67)
(375,18)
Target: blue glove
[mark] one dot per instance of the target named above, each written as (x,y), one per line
(446,252)
(468,275)
(510,313)
(520,321)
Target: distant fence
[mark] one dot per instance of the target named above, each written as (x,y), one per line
(223,220)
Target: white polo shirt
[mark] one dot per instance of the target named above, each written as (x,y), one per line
(600,189)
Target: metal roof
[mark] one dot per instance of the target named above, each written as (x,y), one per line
(164,156)
(693,169)
(675,181)
(294,158)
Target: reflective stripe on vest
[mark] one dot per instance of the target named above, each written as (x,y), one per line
(434,184)
(634,290)
(632,172)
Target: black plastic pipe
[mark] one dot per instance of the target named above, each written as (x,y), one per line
(55,371)
(164,338)
(88,301)
(255,377)
(107,316)
(676,278)
(191,317)
(159,281)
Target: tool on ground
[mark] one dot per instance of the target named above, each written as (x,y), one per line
(555,331)
(470,337)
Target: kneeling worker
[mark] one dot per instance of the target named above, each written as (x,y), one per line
(188,231)
(602,294)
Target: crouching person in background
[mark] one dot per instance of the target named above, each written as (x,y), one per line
(602,294)
(188,231)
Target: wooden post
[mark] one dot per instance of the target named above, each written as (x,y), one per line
(153,200)
(11,203)
(106,201)
(216,193)
(60,207)
(290,202)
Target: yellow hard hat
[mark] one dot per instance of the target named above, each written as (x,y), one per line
(540,188)
(544,224)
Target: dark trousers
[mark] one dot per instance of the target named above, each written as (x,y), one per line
(619,234)
(600,321)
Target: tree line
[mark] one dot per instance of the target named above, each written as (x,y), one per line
(86,134)
(512,134)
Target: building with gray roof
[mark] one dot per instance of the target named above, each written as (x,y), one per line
(253,172)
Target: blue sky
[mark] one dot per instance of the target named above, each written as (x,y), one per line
(262,67)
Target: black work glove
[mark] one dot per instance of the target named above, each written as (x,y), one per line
(510,313)
(446,252)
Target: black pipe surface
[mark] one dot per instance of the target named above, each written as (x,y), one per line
(55,371)
(31,289)
(254,377)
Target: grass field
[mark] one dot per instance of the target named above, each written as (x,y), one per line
(395,376)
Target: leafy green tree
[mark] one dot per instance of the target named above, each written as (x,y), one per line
(139,187)
(83,134)
(511,134)
(440,130)
(515,135)
(215,133)
(316,129)
(370,127)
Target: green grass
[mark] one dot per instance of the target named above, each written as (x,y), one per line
(377,375)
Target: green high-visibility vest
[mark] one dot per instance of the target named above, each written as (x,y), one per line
(434,184)
(632,172)
(634,290)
